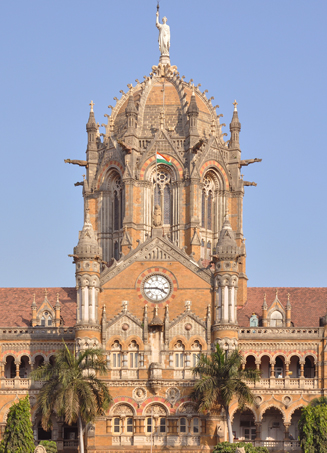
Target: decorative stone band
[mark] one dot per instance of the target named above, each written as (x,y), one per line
(156,270)
(213,163)
(111,163)
(140,409)
(153,159)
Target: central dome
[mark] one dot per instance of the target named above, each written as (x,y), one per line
(165,94)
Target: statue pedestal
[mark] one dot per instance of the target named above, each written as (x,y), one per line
(164,59)
(157,232)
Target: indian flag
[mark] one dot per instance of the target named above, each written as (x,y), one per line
(162,160)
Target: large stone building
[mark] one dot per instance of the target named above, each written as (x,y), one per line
(161,277)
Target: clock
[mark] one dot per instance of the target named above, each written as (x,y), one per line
(156,288)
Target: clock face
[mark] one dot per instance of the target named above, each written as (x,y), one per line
(157,288)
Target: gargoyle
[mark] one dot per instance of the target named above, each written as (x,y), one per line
(198,145)
(126,148)
(245,163)
(81,163)
(248,183)
(79,183)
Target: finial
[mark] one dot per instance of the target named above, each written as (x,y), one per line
(91,104)
(288,296)
(276,292)
(125,305)
(34,304)
(104,309)
(188,305)
(235,104)
(264,297)
(193,92)
(226,213)
(57,297)
(146,310)
(45,292)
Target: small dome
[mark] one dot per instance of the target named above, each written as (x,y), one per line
(87,247)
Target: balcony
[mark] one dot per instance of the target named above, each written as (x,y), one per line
(265,333)
(284,383)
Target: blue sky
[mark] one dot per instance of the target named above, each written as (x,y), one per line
(268,55)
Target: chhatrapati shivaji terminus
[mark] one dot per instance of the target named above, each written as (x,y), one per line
(161,277)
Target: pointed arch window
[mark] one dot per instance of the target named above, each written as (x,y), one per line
(207,202)
(162,192)
(117,203)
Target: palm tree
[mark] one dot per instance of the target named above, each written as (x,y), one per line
(72,389)
(221,379)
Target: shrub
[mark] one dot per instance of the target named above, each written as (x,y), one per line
(313,429)
(18,435)
(226,447)
(49,445)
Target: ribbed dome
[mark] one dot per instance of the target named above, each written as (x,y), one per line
(168,93)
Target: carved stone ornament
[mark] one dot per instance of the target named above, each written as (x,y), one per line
(40,449)
(172,394)
(257,400)
(287,400)
(157,216)
(139,394)
(155,410)
(187,408)
(122,409)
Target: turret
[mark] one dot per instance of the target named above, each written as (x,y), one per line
(92,149)
(131,114)
(87,256)
(193,113)
(226,284)
(235,129)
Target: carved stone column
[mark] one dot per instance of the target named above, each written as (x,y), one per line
(17,368)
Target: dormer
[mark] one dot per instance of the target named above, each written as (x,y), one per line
(276,314)
(46,315)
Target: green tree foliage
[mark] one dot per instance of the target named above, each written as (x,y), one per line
(313,429)
(18,436)
(222,379)
(226,447)
(49,445)
(72,388)
(318,401)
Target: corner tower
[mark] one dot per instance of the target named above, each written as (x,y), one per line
(87,257)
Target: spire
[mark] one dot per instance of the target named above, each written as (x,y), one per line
(193,113)
(264,305)
(91,122)
(87,247)
(227,248)
(288,304)
(235,129)
(92,148)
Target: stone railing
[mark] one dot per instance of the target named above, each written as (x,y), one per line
(279,332)
(20,383)
(285,383)
(157,440)
(183,374)
(276,445)
(125,373)
(70,443)
(34,332)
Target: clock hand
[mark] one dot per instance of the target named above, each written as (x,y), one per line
(158,289)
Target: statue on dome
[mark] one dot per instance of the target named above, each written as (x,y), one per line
(164,35)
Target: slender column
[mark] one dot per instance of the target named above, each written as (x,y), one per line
(272,371)
(258,426)
(302,369)
(230,304)
(287,431)
(17,369)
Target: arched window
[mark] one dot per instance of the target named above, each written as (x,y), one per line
(46,319)
(276,319)
(118,203)
(179,354)
(162,192)
(182,425)
(197,348)
(195,426)
(116,355)
(133,355)
(207,202)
